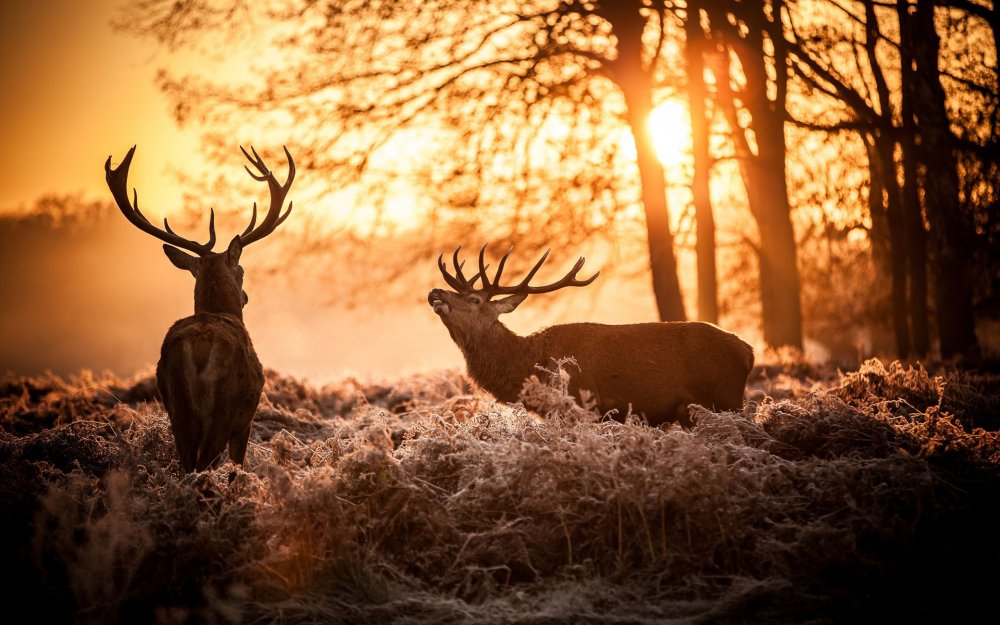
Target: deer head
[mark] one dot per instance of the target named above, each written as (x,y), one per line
(218,275)
(469,311)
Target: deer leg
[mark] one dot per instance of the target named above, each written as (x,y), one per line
(211,449)
(186,449)
(183,424)
(238,445)
(682,416)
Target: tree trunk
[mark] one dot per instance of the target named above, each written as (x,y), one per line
(663,264)
(779,275)
(888,241)
(885,198)
(764,173)
(913,220)
(708,304)
(635,82)
(949,236)
(916,253)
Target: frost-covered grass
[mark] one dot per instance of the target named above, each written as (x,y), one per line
(868,496)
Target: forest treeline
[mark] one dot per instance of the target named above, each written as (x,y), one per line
(854,137)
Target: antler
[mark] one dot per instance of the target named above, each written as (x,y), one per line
(458,281)
(494,288)
(274,218)
(118,183)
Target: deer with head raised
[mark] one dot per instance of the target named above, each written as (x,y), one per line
(208,374)
(654,369)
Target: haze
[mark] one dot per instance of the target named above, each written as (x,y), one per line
(102,296)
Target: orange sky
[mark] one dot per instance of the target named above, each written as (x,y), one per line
(73,92)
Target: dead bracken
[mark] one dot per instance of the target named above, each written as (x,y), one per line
(834,497)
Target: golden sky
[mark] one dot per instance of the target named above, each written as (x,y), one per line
(73,92)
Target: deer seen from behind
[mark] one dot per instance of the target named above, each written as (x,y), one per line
(208,375)
(654,369)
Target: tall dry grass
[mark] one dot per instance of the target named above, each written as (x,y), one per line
(837,497)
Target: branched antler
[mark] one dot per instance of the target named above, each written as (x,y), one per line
(118,183)
(492,288)
(458,281)
(274,218)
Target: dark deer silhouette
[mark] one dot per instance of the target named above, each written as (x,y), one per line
(209,376)
(654,369)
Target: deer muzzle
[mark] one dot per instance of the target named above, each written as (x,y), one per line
(436,299)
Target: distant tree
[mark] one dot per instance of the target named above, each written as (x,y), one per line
(697,46)
(950,234)
(522,99)
(914,229)
(843,59)
(929,148)
(517,107)
(970,38)
(752,88)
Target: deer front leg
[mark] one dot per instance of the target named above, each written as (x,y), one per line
(238,445)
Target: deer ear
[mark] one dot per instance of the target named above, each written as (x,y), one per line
(234,251)
(182,260)
(508,304)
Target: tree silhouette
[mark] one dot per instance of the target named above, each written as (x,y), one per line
(492,81)
(697,44)
(892,87)
(860,83)
(949,232)
(516,108)
(751,34)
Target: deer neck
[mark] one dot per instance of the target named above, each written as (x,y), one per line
(497,359)
(218,296)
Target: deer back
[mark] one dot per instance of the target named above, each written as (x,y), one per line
(656,368)
(210,379)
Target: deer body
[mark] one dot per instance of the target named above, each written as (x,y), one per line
(208,375)
(210,380)
(654,369)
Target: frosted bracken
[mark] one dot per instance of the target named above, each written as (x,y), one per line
(853,497)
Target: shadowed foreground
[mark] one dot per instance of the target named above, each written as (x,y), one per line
(865,497)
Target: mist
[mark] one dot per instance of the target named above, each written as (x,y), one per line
(84,290)
(99,295)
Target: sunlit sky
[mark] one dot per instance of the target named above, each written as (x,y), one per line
(74,92)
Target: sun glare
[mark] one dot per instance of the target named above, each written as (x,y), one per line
(670,126)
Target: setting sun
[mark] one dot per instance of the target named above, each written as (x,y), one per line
(670,126)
